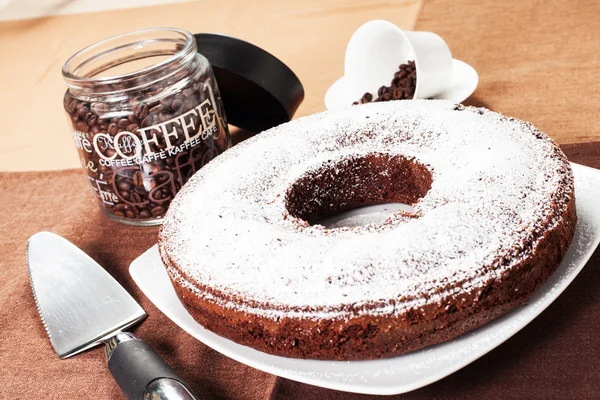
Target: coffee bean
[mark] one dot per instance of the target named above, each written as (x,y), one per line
(398,93)
(138,178)
(132,120)
(82,112)
(82,127)
(91,119)
(141,111)
(112,129)
(156,109)
(148,121)
(136,198)
(158,211)
(403,73)
(145,214)
(177,106)
(123,123)
(164,116)
(123,185)
(70,103)
(132,128)
(118,214)
(367,97)
(130,214)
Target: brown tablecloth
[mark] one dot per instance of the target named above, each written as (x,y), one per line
(537,60)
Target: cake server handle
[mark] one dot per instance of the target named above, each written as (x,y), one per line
(141,373)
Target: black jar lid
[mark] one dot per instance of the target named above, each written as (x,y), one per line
(258,90)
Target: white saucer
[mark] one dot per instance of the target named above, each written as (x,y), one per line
(463,82)
(410,371)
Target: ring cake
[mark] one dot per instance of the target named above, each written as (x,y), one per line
(493,215)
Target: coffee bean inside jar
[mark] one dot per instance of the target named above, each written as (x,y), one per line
(143,133)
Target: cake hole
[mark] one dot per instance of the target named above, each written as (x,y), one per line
(361,216)
(355,182)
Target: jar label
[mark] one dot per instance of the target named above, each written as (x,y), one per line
(137,161)
(131,148)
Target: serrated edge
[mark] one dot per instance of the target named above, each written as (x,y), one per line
(35,297)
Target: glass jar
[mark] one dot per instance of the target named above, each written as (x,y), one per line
(146,115)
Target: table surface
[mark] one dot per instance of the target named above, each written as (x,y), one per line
(536,60)
(310,36)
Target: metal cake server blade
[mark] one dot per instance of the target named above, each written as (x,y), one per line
(82,305)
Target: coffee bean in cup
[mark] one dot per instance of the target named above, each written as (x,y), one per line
(402,86)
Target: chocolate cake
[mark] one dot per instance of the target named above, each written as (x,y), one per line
(493,215)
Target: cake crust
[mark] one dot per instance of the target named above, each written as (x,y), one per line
(430,311)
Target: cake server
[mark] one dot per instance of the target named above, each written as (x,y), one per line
(82,306)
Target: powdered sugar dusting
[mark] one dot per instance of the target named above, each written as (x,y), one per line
(494,179)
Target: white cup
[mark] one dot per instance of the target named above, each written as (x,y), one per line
(377,49)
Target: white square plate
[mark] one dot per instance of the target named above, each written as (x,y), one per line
(406,372)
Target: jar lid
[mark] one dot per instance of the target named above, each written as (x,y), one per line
(258,90)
